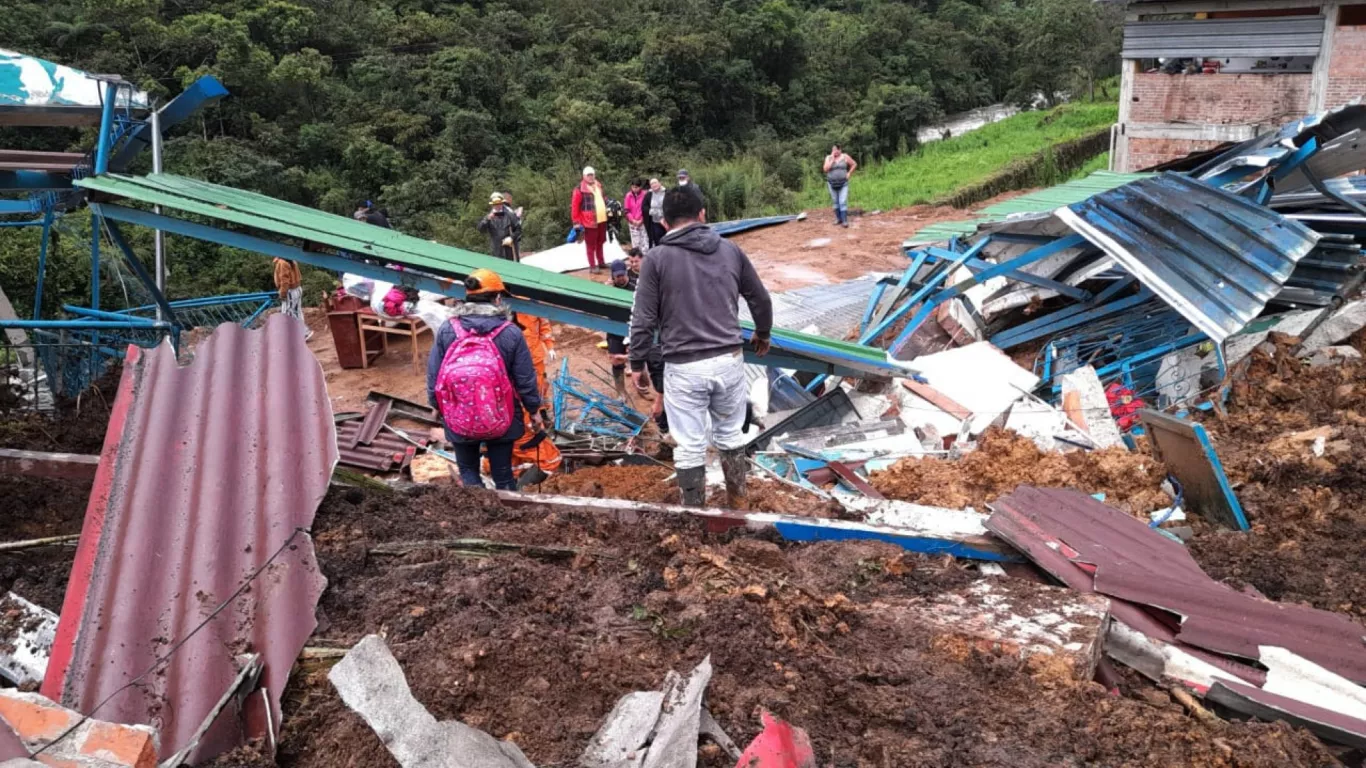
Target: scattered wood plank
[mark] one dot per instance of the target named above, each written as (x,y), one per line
(64,466)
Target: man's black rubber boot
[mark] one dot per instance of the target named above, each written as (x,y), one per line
(692,482)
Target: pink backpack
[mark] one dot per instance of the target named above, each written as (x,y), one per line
(473,390)
(394,301)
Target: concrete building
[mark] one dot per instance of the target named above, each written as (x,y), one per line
(1199,73)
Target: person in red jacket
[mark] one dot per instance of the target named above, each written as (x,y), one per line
(589,211)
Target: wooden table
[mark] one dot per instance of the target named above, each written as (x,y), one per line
(411,327)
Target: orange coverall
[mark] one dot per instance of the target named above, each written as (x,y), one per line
(540,340)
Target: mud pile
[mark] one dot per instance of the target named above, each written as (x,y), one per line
(537,648)
(653,485)
(1003,460)
(1294,445)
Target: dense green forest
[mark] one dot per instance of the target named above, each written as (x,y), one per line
(427,106)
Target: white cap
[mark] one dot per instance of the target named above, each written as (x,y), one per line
(588,171)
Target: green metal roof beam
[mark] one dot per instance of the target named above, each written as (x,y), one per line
(265,214)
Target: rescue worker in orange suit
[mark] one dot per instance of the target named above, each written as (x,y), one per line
(534,456)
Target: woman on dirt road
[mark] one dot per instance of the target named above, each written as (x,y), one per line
(589,210)
(838,169)
(483,317)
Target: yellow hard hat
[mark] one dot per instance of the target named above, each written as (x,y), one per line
(496,198)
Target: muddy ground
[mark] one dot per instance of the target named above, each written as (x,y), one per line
(654,484)
(538,649)
(34,508)
(1003,460)
(1308,512)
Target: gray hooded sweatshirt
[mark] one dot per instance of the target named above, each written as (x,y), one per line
(689,292)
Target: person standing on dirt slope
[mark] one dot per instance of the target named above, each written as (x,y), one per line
(689,292)
(654,210)
(588,208)
(839,168)
(503,228)
(483,398)
(289,282)
(634,203)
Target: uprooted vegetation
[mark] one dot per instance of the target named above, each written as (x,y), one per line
(536,648)
(1004,460)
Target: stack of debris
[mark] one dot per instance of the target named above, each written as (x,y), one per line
(1150,265)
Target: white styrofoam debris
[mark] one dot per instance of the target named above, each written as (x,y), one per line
(980,378)
(1095,407)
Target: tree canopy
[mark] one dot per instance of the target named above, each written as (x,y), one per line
(426,106)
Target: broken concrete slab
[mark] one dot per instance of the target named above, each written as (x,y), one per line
(1334,355)
(674,744)
(1347,320)
(1059,628)
(1093,407)
(623,737)
(371,682)
(26,635)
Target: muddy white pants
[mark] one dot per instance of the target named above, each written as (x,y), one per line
(639,237)
(705,403)
(293,303)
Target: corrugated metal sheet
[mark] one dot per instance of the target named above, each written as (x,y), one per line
(1215,257)
(1265,705)
(1042,201)
(1139,566)
(384,453)
(248,209)
(207,471)
(1272,147)
(728,228)
(1234,38)
(11,748)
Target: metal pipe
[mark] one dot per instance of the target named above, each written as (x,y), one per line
(42,264)
(105,140)
(95,224)
(158,237)
(77,325)
(102,315)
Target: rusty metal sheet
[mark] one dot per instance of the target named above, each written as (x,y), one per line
(1134,564)
(208,471)
(11,748)
(375,417)
(385,453)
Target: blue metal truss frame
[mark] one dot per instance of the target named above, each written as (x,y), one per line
(1029,257)
(1076,315)
(337,262)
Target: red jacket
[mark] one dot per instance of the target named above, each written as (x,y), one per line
(584,200)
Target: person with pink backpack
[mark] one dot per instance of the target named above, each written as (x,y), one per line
(480,377)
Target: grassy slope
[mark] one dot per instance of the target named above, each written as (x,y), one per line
(942,167)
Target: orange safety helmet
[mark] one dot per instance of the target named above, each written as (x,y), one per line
(487,281)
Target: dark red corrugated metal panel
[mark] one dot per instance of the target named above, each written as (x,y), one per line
(206,472)
(386,452)
(11,747)
(1136,565)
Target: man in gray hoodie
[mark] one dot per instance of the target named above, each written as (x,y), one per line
(688,294)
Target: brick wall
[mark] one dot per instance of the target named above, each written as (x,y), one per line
(1347,67)
(1145,153)
(1222,99)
